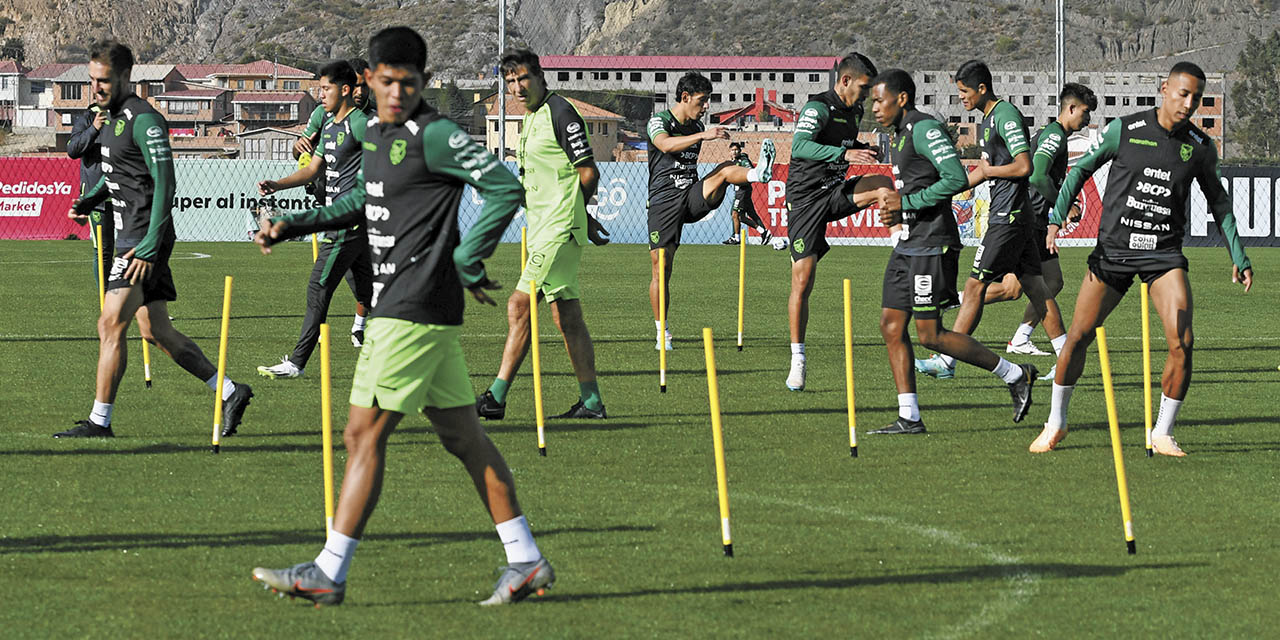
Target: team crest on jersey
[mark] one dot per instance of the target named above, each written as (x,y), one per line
(799,245)
(986,135)
(119,127)
(342,135)
(654,236)
(398,148)
(1185,152)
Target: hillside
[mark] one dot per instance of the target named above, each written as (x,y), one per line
(461,33)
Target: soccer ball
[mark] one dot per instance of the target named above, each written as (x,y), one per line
(779,243)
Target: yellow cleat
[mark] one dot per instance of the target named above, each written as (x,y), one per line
(1167,446)
(1049,438)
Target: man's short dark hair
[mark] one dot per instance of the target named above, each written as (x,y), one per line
(358,65)
(898,81)
(1190,68)
(398,47)
(339,72)
(1079,93)
(974,73)
(692,83)
(113,54)
(517,58)
(856,64)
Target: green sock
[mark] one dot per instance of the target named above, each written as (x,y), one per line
(590,392)
(499,390)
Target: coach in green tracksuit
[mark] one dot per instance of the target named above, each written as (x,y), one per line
(559,175)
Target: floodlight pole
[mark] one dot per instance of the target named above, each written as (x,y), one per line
(1060,49)
(502,89)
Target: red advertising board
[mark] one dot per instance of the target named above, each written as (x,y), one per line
(35,194)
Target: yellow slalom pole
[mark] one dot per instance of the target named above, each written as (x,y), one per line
(1146,365)
(102,277)
(537,368)
(1116,451)
(717,436)
(315,247)
(222,363)
(326,428)
(742,280)
(146,364)
(524,248)
(848,369)
(662,319)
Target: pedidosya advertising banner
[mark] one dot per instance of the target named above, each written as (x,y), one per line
(35,194)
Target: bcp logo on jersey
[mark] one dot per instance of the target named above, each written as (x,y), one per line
(119,127)
(398,150)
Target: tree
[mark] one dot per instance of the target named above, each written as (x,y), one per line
(14,49)
(1257,97)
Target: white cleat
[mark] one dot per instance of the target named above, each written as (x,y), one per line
(795,379)
(657,345)
(764,164)
(1167,446)
(1027,348)
(285,369)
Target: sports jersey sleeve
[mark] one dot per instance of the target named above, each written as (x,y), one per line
(1210,179)
(931,141)
(571,132)
(96,195)
(804,146)
(83,135)
(1042,161)
(502,193)
(151,134)
(359,122)
(1101,153)
(1011,130)
(346,211)
(315,122)
(657,126)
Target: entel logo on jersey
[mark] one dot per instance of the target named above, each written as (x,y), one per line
(1136,125)
(458,139)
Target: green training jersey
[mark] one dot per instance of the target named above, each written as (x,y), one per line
(1002,137)
(1048,170)
(671,174)
(341,143)
(927,172)
(826,129)
(553,144)
(1145,208)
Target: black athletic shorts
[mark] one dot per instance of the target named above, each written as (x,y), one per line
(667,219)
(921,285)
(157,286)
(807,219)
(1006,248)
(1118,273)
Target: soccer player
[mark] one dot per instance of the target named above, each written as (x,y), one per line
(83,146)
(825,143)
(1155,155)
(744,208)
(344,250)
(1009,246)
(921,276)
(137,167)
(416,164)
(1048,168)
(559,175)
(676,195)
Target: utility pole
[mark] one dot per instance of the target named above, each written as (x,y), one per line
(502,91)
(1060,49)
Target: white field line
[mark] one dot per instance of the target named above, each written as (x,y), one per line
(194,255)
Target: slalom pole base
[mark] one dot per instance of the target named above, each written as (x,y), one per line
(1133,546)
(215,449)
(1149,452)
(853,451)
(148,384)
(662,388)
(739,347)
(542,451)
(728,550)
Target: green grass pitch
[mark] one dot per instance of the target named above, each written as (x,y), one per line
(960,533)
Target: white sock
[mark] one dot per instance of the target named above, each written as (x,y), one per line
(1168,413)
(753,175)
(1023,334)
(947,360)
(357,324)
(335,558)
(517,541)
(101,414)
(1008,371)
(909,407)
(228,387)
(1057,344)
(734,237)
(797,349)
(1058,406)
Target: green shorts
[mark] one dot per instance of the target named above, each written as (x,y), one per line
(407,366)
(555,267)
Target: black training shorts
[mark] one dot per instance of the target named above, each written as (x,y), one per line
(920,285)
(159,283)
(1118,273)
(808,217)
(1006,248)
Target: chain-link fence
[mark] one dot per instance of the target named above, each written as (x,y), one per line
(753,98)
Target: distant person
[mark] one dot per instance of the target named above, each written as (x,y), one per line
(83,146)
(744,207)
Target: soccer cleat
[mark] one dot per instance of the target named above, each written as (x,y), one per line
(732,241)
(285,369)
(935,367)
(1027,348)
(765,236)
(1020,391)
(580,411)
(1053,371)
(795,379)
(764,165)
(86,429)
(779,243)
(657,346)
(902,426)
(1048,439)
(489,408)
(521,580)
(1167,446)
(357,338)
(233,409)
(304,580)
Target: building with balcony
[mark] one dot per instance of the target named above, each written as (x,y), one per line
(269,143)
(255,109)
(262,75)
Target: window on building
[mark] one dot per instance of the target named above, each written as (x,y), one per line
(562,76)
(756,77)
(660,76)
(1051,100)
(715,97)
(1208,123)
(66,119)
(928,77)
(815,77)
(579,75)
(659,98)
(1026,100)
(1110,101)
(292,85)
(604,128)
(1107,121)
(255,149)
(4,82)
(954,119)
(953,99)
(495,126)
(972,119)
(281,149)
(1125,100)
(262,84)
(928,99)
(1082,79)
(617,76)
(1146,101)
(239,84)
(746,97)
(733,76)
(636,76)
(1028,121)
(715,76)
(591,128)
(788,98)
(772,77)
(788,77)
(71,91)
(1208,101)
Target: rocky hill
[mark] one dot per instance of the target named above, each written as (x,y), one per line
(1120,34)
